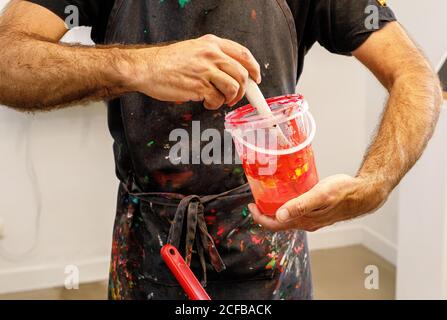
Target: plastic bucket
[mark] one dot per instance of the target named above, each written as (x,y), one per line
(276,171)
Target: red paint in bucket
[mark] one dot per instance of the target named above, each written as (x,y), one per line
(292,169)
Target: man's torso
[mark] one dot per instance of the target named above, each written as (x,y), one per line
(142,126)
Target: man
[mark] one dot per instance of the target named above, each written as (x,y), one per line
(155,88)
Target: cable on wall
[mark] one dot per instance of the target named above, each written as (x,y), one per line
(31,171)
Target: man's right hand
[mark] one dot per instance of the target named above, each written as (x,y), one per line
(38,73)
(208,69)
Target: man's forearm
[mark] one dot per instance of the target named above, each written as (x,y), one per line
(406,127)
(37,74)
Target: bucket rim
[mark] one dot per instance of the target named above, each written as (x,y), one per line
(291,106)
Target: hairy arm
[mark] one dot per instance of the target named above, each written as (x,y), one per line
(412,110)
(39,73)
(407,125)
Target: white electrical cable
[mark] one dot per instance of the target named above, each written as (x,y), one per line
(30,168)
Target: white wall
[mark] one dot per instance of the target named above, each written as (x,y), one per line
(359,92)
(422,224)
(61,162)
(422,210)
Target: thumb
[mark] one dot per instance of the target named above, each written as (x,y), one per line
(301,206)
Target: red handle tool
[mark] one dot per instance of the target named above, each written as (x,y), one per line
(183,273)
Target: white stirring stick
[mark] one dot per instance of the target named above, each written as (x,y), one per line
(257,100)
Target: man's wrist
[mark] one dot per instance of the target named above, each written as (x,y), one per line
(377,186)
(131,67)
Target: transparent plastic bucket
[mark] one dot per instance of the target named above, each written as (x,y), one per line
(277,169)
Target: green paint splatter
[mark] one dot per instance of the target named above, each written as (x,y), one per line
(183,3)
(237,171)
(135,200)
(146,180)
(245,212)
(253,231)
(271,264)
(151,143)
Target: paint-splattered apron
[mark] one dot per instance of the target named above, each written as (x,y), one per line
(201,209)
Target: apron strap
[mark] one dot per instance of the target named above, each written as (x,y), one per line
(193,208)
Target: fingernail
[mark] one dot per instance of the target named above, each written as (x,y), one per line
(251,207)
(283,215)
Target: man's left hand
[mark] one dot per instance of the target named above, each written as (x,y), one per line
(337,198)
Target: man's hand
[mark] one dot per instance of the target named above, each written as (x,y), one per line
(39,73)
(337,198)
(208,69)
(407,125)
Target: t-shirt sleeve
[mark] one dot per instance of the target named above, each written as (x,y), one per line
(88,10)
(92,13)
(342,26)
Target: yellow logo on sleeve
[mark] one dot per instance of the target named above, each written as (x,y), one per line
(382,2)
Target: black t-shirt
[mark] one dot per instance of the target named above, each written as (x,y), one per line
(94,13)
(338,25)
(279,33)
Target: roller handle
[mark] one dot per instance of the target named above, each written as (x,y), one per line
(183,273)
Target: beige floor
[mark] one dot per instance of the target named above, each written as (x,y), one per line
(338,274)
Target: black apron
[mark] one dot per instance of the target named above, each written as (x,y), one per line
(200,209)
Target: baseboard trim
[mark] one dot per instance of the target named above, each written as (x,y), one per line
(31,278)
(343,236)
(380,245)
(50,276)
(335,237)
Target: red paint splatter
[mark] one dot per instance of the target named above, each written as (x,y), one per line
(220,231)
(298,250)
(256,240)
(213,210)
(210,219)
(216,242)
(254,14)
(187,117)
(176,180)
